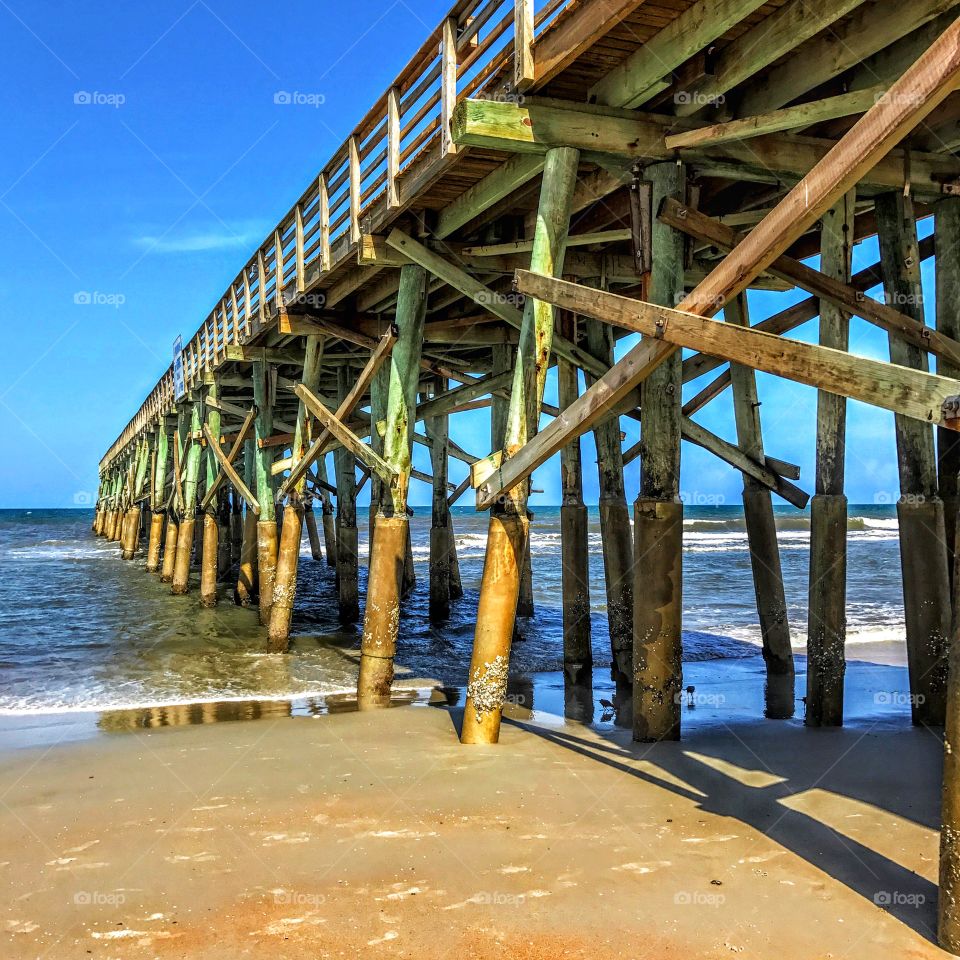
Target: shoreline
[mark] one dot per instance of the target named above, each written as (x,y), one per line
(541,697)
(380,833)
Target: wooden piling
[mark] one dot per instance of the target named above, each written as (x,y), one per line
(948,926)
(267,540)
(658,515)
(348,570)
(178,446)
(574,529)
(180,583)
(437,429)
(313,532)
(388,555)
(225,540)
(827,623)
(236,527)
(285,585)
(157,498)
(245,593)
(507,538)
(947,220)
(617,537)
(920,512)
(211,516)
(762,539)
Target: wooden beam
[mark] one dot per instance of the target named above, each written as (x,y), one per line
(525,246)
(790,118)
(523,33)
(534,127)
(698,225)
(499,305)
(763,473)
(231,458)
(870,29)
(493,188)
(647,71)
(344,410)
(442,404)
(576,29)
(773,37)
(911,393)
(346,437)
(228,470)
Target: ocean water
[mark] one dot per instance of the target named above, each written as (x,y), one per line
(81,630)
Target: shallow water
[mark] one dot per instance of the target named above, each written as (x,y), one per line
(81,630)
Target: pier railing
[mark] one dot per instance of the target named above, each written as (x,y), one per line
(475,43)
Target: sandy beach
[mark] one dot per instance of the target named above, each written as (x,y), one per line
(378,834)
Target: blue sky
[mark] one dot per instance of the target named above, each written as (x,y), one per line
(149,194)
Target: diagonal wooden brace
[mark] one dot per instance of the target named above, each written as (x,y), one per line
(346,437)
(227,471)
(228,460)
(316,449)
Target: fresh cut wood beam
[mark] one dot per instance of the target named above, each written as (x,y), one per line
(696,224)
(646,72)
(535,127)
(790,118)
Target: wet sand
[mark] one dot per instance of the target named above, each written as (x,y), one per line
(377,834)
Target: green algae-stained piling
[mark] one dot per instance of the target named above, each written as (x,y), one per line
(644,167)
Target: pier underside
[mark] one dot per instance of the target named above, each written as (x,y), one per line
(539,183)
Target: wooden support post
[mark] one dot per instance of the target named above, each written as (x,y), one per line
(827,620)
(617,536)
(347,538)
(923,552)
(157,497)
(245,593)
(948,926)
(267,546)
(236,526)
(524,72)
(225,538)
(313,532)
(658,515)
(508,537)
(948,324)
(762,536)
(328,519)
(174,515)
(180,583)
(382,614)
(131,526)
(285,584)
(912,98)
(574,532)
(211,515)
(440,532)
(379,389)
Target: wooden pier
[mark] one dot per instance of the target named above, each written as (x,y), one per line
(539,182)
